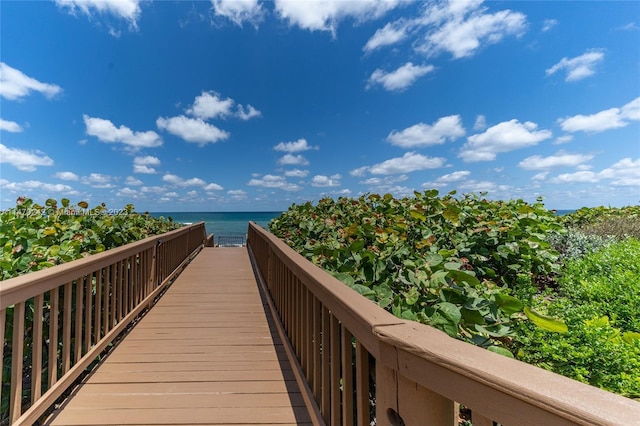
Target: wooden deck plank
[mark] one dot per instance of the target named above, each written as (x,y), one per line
(206,353)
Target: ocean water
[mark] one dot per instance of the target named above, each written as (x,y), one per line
(228,224)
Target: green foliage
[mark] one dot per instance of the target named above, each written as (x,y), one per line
(575,244)
(443,261)
(599,297)
(34,237)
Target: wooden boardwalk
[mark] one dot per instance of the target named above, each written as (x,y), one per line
(207,353)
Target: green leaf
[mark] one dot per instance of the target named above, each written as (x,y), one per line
(462,276)
(451,215)
(356,246)
(629,337)
(365,291)
(65,202)
(508,304)
(417,215)
(450,311)
(500,350)
(83,204)
(545,322)
(345,278)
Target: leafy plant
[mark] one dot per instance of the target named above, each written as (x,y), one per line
(599,297)
(444,261)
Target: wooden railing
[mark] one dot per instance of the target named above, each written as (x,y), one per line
(85,304)
(360,362)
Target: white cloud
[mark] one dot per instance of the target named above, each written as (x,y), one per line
(271,181)
(321,181)
(326,14)
(483,186)
(248,114)
(237,194)
(576,177)
(97,180)
(297,173)
(130,180)
(579,67)
(625,172)
(462,27)
(10,126)
(481,123)
(293,160)
(399,79)
(612,118)
(178,181)
(67,176)
(540,176)
(31,185)
(548,24)
(107,132)
(192,129)
(409,162)
(560,159)
(444,180)
(27,161)
(297,146)
(391,33)
(421,135)
(360,171)
(127,193)
(14,84)
(239,11)
(213,187)
(211,105)
(153,189)
(386,182)
(503,137)
(563,139)
(145,165)
(125,9)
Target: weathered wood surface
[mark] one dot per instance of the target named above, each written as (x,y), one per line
(206,353)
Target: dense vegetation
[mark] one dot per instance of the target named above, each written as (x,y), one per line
(499,274)
(35,237)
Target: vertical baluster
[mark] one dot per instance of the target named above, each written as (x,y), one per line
(54,303)
(88,292)
(107,296)
(362,385)
(306,333)
(114,294)
(418,404)
(66,329)
(347,377)
(97,314)
(36,351)
(17,353)
(325,404)
(317,365)
(3,318)
(335,371)
(80,286)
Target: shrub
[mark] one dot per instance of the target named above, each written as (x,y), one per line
(575,244)
(599,298)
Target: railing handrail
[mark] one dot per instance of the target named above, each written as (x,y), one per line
(495,386)
(17,289)
(101,295)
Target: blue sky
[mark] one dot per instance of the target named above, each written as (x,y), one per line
(247,105)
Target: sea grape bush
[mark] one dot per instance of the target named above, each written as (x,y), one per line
(34,237)
(450,262)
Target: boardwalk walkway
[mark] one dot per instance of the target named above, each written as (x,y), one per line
(207,353)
